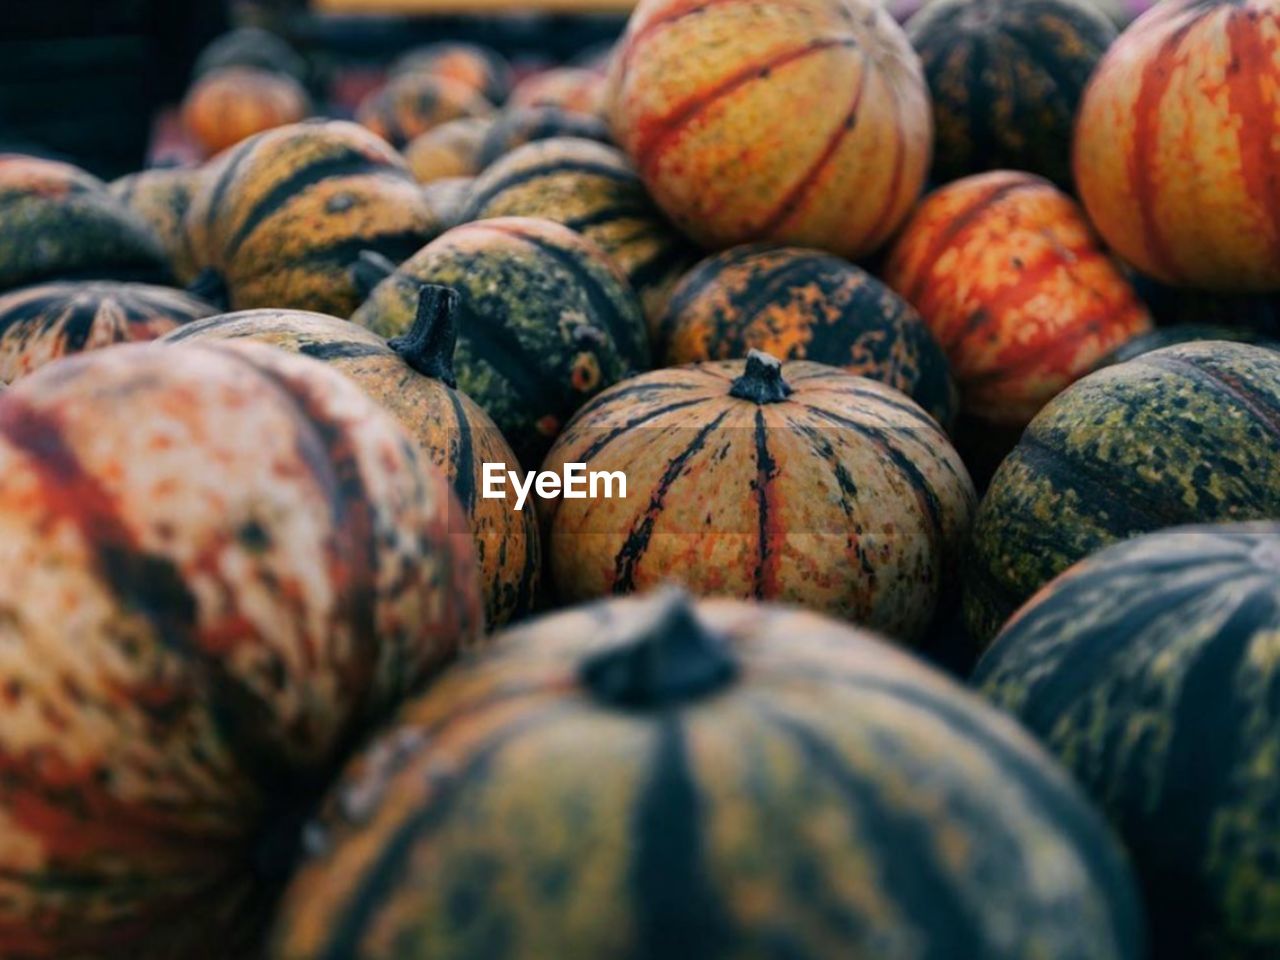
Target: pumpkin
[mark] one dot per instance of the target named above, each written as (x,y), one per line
(576,89)
(800,304)
(547,321)
(412,378)
(1187,434)
(227,105)
(449,150)
(803,122)
(653,778)
(160,199)
(58,222)
(591,188)
(280,218)
(1178,144)
(219,567)
(802,484)
(410,104)
(520,125)
(1186,333)
(482,69)
(1006,77)
(1147,670)
(448,198)
(42,323)
(250,47)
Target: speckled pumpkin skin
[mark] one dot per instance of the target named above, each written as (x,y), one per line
(1187,434)
(449,198)
(1006,78)
(591,188)
(575,89)
(449,150)
(454,434)
(226,106)
(42,323)
(208,597)
(838,798)
(282,216)
(412,103)
(59,222)
(802,122)
(1147,669)
(547,321)
(845,497)
(1010,278)
(520,125)
(1179,142)
(160,199)
(483,70)
(799,304)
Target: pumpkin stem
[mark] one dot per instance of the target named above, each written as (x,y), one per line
(211,287)
(675,660)
(761,381)
(429,344)
(369,270)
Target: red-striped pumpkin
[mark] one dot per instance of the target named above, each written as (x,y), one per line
(227,105)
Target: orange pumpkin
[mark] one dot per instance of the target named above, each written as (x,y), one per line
(480,68)
(227,105)
(449,150)
(570,88)
(805,122)
(1177,149)
(413,103)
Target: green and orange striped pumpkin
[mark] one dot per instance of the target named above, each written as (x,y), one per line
(1179,141)
(659,780)
(225,106)
(449,150)
(481,68)
(801,121)
(1149,669)
(798,483)
(591,188)
(1187,434)
(410,104)
(547,321)
(1006,78)
(520,125)
(160,198)
(43,323)
(800,304)
(412,378)
(279,219)
(220,566)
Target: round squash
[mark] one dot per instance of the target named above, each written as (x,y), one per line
(1013,283)
(591,188)
(449,150)
(58,222)
(227,105)
(1187,333)
(653,779)
(547,321)
(220,566)
(575,89)
(1187,434)
(800,304)
(410,104)
(1006,78)
(482,69)
(520,125)
(805,122)
(1148,670)
(449,198)
(802,484)
(42,323)
(160,199)
(412,378)
(1178,145)
(280,218)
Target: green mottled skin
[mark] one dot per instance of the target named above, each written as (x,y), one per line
(1150,670)
(1187,434)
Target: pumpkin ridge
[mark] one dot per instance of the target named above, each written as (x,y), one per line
(1269,420)
(890,201)
(534,172)
(766,469)
(335,349)
(601,442)
(1259,164)
(465,484)
(226,179)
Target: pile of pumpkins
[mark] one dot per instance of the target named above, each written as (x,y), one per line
(933,349)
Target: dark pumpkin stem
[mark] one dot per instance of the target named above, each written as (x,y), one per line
(210,286)
(675,660)
(428,346)
(761,381)
(369,270)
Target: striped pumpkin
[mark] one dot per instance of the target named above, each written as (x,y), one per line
(815,487)
(1006,78)
(449,150)
(280,218)
(547,321)
(1187,434)
(448,199)
(219,566)
(651,779)
(412,378)
(226,106)
(520,125)
(58,222)
(1147,670)
(42,323)
(1179,142)
(482,69)
(801,121)
(575,89)
(413,103)
(591,188)
(801,304)
(160,199)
